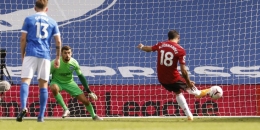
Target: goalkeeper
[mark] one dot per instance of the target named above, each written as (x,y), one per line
(62,79)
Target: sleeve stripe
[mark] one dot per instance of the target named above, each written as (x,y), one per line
(57,34)
(23,31)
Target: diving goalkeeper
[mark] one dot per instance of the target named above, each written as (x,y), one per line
(62,79)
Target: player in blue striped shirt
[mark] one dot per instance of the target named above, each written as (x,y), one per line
(37,31)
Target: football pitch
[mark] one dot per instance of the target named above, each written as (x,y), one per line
(134,124)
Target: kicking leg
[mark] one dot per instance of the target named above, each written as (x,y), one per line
(198,93)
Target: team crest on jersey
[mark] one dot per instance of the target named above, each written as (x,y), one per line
(71,68)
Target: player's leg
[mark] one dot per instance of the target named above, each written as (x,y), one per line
(73,89)
(177,88)
(55,89)
(43,98)
(43,70)
(24,92)
(29,66)
(183,104)
(82,98)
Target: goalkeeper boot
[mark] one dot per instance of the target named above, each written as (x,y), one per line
(97,118)
(65,113)
(21,115)
(203,93)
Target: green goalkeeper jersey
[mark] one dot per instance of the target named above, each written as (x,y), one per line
(64,74)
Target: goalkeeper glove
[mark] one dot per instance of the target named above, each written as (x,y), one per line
(93,96)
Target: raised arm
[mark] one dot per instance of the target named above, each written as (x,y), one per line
(144,48)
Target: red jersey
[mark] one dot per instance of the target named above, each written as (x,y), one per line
(169,53)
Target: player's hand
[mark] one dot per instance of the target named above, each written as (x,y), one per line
(193,83)
(57,63)
(140,46)
(190,85)
(93,96)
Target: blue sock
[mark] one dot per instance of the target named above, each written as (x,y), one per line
(24,91)
(43,101)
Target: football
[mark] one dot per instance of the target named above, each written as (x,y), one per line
(216,92)
(4,86)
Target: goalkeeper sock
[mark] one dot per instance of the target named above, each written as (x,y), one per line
(43,101)
(60,101)
(183,104)
(90,110)
(24,91)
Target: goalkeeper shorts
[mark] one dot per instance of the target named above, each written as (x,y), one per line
(72,88)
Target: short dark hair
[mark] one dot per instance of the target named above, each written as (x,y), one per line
(41,4)
(172,34)
(65,48)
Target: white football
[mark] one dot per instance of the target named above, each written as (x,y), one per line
(4,86)
(216,92)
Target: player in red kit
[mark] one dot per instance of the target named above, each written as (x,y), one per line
(169,54)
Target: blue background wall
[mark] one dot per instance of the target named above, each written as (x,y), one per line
(220,33)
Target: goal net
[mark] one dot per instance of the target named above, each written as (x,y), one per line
(221,39)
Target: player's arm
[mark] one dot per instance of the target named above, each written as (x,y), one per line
(58,51)
(23,44)
(184,72)
(24,31)
(56,34)
(145,48)
(185,75)
(58,46)
(84,82)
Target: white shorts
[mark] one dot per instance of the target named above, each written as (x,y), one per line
(32,64)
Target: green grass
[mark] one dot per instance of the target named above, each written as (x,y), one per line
(134,124)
